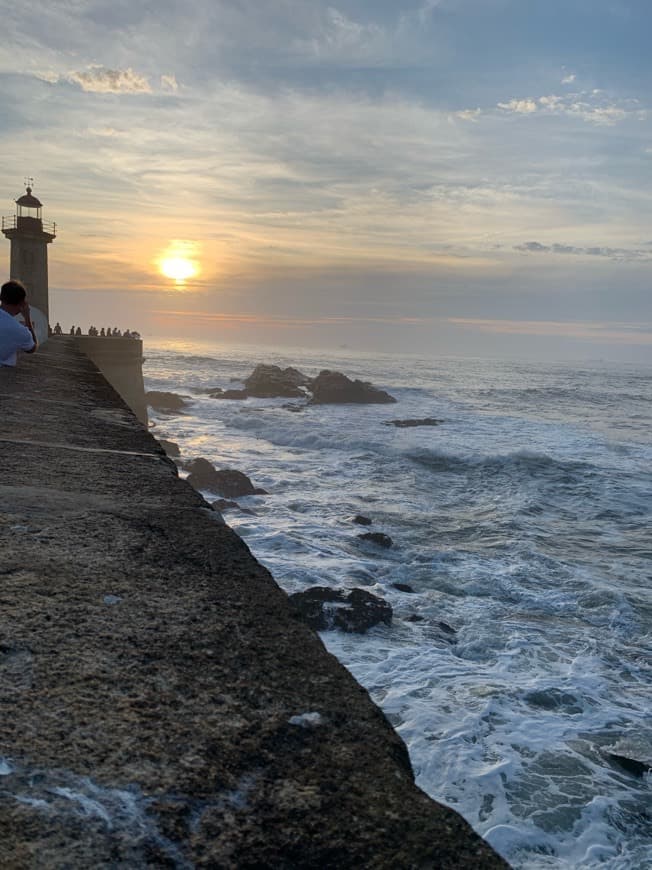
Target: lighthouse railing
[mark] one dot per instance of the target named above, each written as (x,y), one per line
(14,222)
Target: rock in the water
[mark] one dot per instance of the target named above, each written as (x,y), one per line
(170,447)
(270,381)
(223,504)
(377,538)
(334,387)
(355,611)
(226,481)
(631,765)
(405,424)
(632,752)
(166,402)
(361,521)
(403,587)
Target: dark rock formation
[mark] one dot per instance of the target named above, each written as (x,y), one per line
(377,538)
(168,403)
(226,481)
(355,611)
(361,521)
(270,381)
(406,424)
(334,388)
(171,448)
(403,587)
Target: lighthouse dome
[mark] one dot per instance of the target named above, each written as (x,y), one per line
(29,201)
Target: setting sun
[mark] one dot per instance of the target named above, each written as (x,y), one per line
(180,260)
(178,268)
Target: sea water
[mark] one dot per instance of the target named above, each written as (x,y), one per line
(522,521)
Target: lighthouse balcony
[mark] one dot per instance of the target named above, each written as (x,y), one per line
(29,225)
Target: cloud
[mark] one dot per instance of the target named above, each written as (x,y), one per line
(47,76)
(169,82)
(594,107)
(100,80)
(619,254)
(519,107)
(569,79)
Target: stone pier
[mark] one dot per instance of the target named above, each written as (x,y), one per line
(160,706)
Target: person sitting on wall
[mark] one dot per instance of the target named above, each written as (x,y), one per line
(57,328)
(13,335)
(78,331)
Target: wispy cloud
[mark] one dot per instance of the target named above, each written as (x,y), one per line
(100,80)
(594,107)
(618,254)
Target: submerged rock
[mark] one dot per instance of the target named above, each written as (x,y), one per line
(356,611)
(361,521)
(228,482)
(378,538)
(406,424)
(229,394)
(403,587)
(334,387)
(270,381)
(166,402)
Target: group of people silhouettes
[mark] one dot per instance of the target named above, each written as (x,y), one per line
(97,333)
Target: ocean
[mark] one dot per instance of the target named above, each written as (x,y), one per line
(522,521)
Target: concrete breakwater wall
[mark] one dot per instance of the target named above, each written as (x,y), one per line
(160,704)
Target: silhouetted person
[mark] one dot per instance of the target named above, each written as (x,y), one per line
(102,335)
(78,331)
(57,328)
(13,335)
(72,330)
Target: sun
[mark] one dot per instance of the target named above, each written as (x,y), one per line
(178,268)
(180,260)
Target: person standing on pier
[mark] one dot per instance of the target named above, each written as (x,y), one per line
(13,335)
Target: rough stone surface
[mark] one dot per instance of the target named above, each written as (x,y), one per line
(166,402)
(153,677)
(334,388)
(357,611)
(226,482)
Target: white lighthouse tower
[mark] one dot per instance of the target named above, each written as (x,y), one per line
(30,236)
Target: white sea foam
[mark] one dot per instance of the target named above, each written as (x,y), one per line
(522,522)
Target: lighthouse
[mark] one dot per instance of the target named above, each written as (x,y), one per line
(30,236)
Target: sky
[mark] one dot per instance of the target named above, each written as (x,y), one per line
(434,176)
